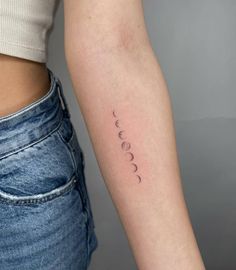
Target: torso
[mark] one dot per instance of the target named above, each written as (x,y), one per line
(21,82)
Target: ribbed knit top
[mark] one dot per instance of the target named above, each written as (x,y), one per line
(25,26)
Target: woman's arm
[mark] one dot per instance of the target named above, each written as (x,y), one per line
(126,107)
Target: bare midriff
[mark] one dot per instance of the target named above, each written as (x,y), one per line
(22,82)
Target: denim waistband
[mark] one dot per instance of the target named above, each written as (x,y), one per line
(35,121)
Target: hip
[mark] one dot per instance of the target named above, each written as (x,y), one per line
(46,216)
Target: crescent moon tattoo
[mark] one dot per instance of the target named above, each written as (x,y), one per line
(131,156)
(117,123)
(135,167)
(120,134)
(139,178)
(125,146)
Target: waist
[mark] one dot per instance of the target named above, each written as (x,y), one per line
(34,121)
(21,82)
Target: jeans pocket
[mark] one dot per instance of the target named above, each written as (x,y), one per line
(38,173)
(7,197)
(69,137)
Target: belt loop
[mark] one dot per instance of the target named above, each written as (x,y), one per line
(58,85)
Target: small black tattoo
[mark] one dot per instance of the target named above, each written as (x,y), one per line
(114,113)
(135,167)
(139,178)
(131,156)
(126,146)
(120,134)
(117,123)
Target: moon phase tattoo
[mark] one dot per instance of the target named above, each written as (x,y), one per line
(120,134)
(131,156)
(126,147)
(117,123)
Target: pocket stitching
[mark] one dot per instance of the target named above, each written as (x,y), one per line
(39,198)
(68,146)
(61,136)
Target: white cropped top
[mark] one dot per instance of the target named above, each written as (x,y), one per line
(25,26)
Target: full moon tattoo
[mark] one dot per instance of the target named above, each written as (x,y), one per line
(126,146)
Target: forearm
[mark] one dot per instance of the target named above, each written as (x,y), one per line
(123,91)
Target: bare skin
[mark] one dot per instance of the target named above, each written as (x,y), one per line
(21,82)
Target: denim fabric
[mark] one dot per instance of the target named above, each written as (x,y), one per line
(46,222)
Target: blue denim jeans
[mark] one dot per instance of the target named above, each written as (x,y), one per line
(46,220)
